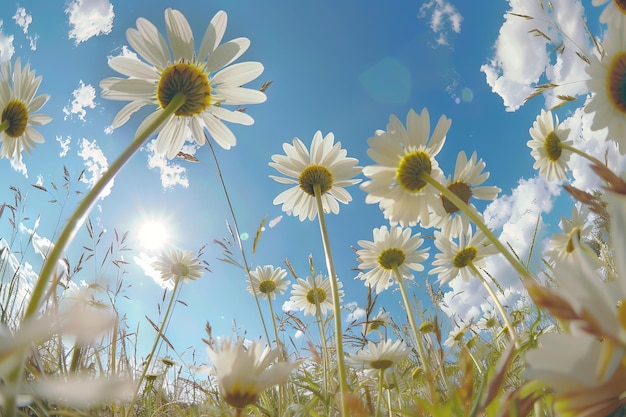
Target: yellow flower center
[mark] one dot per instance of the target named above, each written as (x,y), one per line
(316,174)
(460,189)
(573,234)
(410,170)
(316,296)
(553,146)
(16,113)
(464,257)
(616,81)
(188,79)
(267,287)
(239,398)
(180,269)
(390,258)
(491,322)
(620,5)
(381,363)
(427,327)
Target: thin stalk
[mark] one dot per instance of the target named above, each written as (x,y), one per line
(343,379)
(154,346)
(278,346)
(238,237)
(320,325)
(381,376)
(475,218)
(80,214)
(499,305)
(416,334)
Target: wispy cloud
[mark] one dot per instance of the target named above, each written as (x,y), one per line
(65,145)
(6,45)
(524,50)
(444,19)
(23,20)
(89,18)
(95,165)
(171,173)
(145,262)
(84,97)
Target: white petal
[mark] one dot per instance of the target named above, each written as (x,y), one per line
(238,74)
(232,116)
(124,114)
(132,67)
(179,34)
(219,132)
(238,95)
(213,35)
(149,43)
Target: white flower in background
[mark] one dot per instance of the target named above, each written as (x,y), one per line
(206,79)
(456,259)
(455,336)
(308,293)
(18,107)
(488,321)
(176,264)
(547,137)
(383,318)
(394,248)
(567,365)
(606,83)
(268,281)
(381,355)
(561,245)
(468,176)
(243,373)
(326,166)
(402,156)
(614,13)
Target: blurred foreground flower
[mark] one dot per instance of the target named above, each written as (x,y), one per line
(394,248)
(18,103)
(175,264)
(381,355)
(183,71)
(402,156)
(326,166)
(268,281)
(244,373)
(307,294)
(546,147)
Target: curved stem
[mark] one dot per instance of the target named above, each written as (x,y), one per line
(583,154)
(475,218)
(78,217)
(238,237)
(499,305)
(154,346)
(343,380)
(416,334)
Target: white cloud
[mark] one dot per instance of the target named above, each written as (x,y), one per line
(444,17)
(290,306)
(23,274)
(6,45)
(39,180)
(95,163)
(22,19)
(516,216)
(356,312)
(84,97)
(89,18)
(42,246)
(171,173)
(19,166)
(145,262)
(524,58)
(65,145)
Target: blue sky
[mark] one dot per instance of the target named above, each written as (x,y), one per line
(340,67)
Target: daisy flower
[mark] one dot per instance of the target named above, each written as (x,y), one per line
(19,105)
(381,355)
(561,245)
(205,78)
(394,248)
(468,176)
(455,336)
(268,281)
(614,12)
(547,138)
(607,77)
(402,156)
(455,259)
(488,321)
(178,264)
(307,293)
(383,318)
(326,166)
(243,373)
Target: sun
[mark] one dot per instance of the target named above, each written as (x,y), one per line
(152,234)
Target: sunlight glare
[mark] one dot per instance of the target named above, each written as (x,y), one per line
(152,234)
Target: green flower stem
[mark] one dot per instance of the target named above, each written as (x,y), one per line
(343,380)
(320,325)
(499,305)
(578,152)
(381,376)
(80,214)
(154,346)
(416,334)
(238,237)
(278,346)
(475,218)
